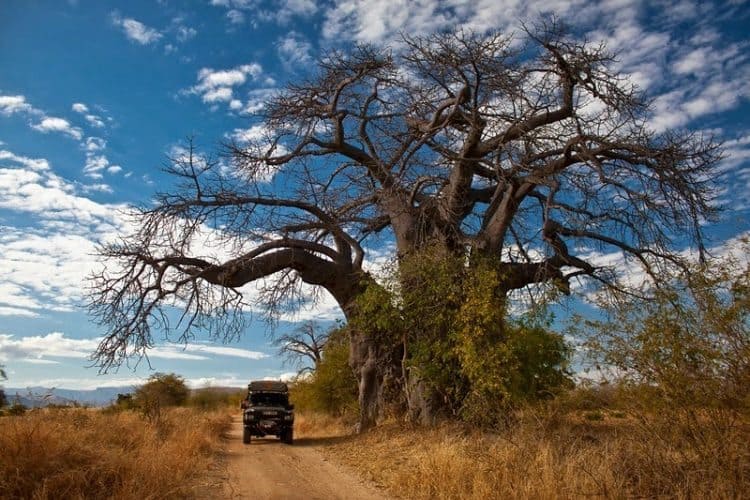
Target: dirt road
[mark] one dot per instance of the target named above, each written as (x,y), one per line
(269,469)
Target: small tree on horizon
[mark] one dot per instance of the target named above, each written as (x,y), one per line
(3,398)
(304,345)
(162,390)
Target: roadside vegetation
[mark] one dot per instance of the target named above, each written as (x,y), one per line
(664,414)
(161,442)
(84,453)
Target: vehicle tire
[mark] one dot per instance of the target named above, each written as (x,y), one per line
(288,436)
(246,436)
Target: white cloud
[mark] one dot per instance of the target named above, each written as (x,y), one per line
(221,94)
(294,51)
(210,79)
(136,31)
(30,163)
(54,124)
(96,161)
(17,311)
(217,85)
(280,11)
(256,100)
(57,345)
(95,144)
(94,121)
(94,166)
(98,188)
(10,104)
(185,33)
(234,352)
(235,16)
(44,265)
(252,134)
(53,344)
(89,383)
(79,107)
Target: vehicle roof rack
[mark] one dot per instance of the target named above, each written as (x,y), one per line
(267,386)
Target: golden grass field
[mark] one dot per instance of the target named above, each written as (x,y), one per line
(86,453)
(545,452)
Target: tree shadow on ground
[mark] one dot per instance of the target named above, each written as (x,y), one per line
(323,440)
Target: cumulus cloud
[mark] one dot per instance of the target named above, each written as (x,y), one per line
(136,31)
(10,104)
(256,99)
(44,264)
(218,85)
(95,144)
(91,118)
(61,125)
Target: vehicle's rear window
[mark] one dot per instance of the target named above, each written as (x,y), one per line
(269,399)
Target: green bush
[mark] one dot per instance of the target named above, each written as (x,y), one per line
(453,323)
(16,409)
(332,388)
(162,390)
(687,344)
(210,399)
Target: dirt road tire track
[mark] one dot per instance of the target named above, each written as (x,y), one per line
(268,469)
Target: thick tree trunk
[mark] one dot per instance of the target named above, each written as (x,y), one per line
(424,405)
(377,367)
(363,358)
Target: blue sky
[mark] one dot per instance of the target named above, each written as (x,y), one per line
(94,95)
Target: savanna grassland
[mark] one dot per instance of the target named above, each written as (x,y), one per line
(612,449)
(91,453)
(601,442)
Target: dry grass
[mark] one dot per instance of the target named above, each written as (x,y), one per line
(310,425)
(546,454)
(80,453)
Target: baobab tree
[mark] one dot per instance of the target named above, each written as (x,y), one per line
(526,151)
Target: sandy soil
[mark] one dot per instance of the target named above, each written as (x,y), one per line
(269,469)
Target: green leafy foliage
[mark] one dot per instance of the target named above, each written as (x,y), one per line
(332,387)
(452,318)
(689,344)
(209,398)
(161,390)
(16,410)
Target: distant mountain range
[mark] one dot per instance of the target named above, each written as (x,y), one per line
(34,397)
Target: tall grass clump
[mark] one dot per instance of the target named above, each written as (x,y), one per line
(83,453)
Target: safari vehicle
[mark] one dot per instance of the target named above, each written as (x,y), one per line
(266,410)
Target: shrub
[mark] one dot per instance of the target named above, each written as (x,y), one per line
(161,390)
(688,345)
(17,409)
(463,350)
(332,387)
(208,398)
